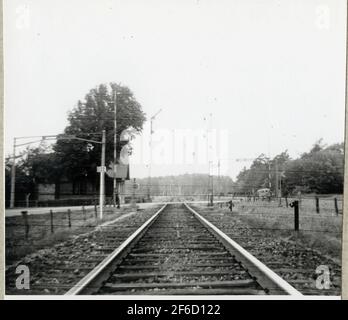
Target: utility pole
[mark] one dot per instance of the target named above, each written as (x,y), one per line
(219,182)
(280,183)
(276,179)
(280,189)
(281,175)
(115,191)
(211,162)
(269,174)
(150,164)
(102,176)
(13,175)
(269,178)
(212,187)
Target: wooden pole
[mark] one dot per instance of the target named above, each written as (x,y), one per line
(295,205)
(336,206)
(296,215)
(84,213)
(95,212)
(317,204)
(69,217)
(96,215)
(276,179)
(52,228)
(26,223)
(102,176)
(115,148)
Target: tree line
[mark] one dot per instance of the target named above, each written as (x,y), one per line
(318,171)
(186,184)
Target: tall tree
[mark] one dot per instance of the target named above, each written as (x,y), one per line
(87,120)
(319,171)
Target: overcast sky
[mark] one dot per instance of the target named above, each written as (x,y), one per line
(271,72)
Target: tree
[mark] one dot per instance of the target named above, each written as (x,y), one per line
(76,159)
(319,171)
(79,159)
(256,177)
(35,165)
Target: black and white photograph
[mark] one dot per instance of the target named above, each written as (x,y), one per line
(170,149)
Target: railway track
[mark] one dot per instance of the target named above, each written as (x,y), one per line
(56,269)
(178,252)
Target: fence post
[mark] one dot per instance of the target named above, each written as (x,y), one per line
(51,214)
(84,213)
(95,212)
(286,202)
(230,205)
(69,217)
(26,223)
(317,204)
(294,204)
(336,206)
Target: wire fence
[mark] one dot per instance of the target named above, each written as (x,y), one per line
(310,208)
(50,222)
(318,205)
(87,200)
(307,215)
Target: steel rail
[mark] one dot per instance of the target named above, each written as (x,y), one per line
(91,282)
(267,278)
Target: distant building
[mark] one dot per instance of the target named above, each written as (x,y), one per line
(83,189)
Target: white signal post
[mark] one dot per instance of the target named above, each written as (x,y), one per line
(115,189)
(102,170)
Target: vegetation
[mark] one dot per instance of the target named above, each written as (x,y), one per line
(79,159)
(76,159)
(318,171)
(186,184)
(35,165)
